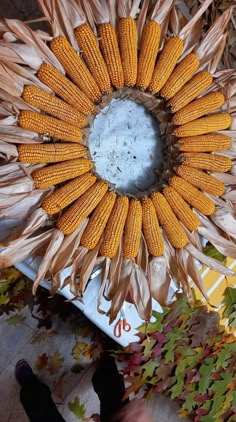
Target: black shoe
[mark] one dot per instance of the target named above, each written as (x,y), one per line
(23,372)
(109,386)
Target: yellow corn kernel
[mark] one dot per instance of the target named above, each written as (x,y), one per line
(181,209)
(166,62)
(64,196)
(111,53)
(52,105)
(50,153)
(74,216)
(190,91)
(201,180)
(58,173)
(199,107)
(192,195)
(148,53)
(98,221)
(151,228)
(65,89)
(211,162)
(211,123)
(75,67)
(89,47)
(133,230)
(205,143)
(181,74)
(47,125)
(115,226)
(128,41)
(168,221)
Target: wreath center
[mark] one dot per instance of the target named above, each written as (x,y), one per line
(126,146)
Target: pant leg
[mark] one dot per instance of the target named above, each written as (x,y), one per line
(110,388)
(37,402)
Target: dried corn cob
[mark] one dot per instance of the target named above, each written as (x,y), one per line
(128,40)
(201,180)
(50,153)
(88,45)
(115,226)
(47,125)
(193,196)
(181,74)
(64,196)
(211,123)
(166,62)
(73,217)
(58,173)
(98,221)
(151,228)
(148,52)
(75,67)
(212,162)
(205,143)
(133,230)
(190,91)
(111,53)
(199,107)
(65,89)
(53,105)
(181,209)
(168,221)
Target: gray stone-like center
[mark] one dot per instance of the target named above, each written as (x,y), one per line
(126,147)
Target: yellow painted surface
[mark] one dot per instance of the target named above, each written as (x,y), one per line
(215,285)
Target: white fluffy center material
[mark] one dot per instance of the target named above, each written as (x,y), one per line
(126,147)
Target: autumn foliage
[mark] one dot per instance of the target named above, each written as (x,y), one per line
(186,354)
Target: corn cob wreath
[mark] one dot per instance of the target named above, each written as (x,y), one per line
(94,220)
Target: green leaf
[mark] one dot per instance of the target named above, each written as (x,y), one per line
(149,368)
(223,355)
(219,388)
(189,402)
(4,298)
(154,327)
(230,305)
(148,345)
(232,320)
(77,408)
(214,253)
(205,381)
(177,389)
(20,285)
(4,286)
(15,319)
(170,347)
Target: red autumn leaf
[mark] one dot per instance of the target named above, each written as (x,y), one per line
(200,413)
(215,376)
(201,398)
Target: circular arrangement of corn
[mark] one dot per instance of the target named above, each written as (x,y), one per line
(111,60)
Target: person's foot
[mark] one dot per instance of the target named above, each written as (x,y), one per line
(23,372)
(109,386)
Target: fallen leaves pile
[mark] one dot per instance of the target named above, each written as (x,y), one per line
(188,355)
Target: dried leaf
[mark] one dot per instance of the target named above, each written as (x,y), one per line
(77,408)
(55,363)
(15,319)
